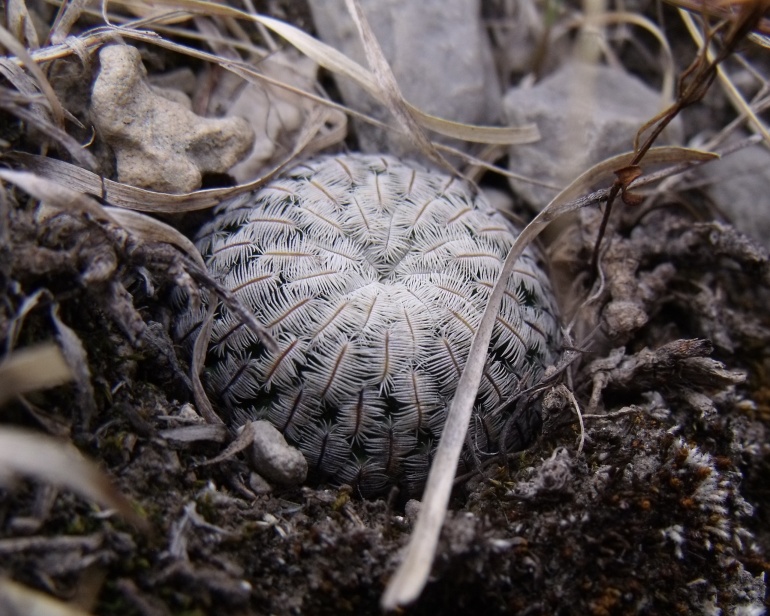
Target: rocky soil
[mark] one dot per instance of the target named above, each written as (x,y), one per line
(652,499)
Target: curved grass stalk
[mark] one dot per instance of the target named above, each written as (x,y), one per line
(411,576)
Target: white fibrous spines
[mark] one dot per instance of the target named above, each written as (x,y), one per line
(372,275)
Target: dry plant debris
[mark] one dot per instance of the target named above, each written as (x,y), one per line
(655,501)
(464,74)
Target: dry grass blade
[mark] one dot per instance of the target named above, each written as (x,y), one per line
(16,599)
(216,433)
(17,321)
(54,194)
(410,578)
(732,92)
(10,43)
(720,10)
(33,368)
(242,441)
(47,459)
(664,155)
(77,358)
(152,230)
(388,87)
(492,135)
(200,348)
(20,23)
(118,194)
(66,19)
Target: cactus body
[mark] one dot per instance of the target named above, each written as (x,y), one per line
(372,274)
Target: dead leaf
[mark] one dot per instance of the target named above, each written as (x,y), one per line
(18,600)
(33,368)
(46,459)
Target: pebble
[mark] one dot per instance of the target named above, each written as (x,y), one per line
(274,459)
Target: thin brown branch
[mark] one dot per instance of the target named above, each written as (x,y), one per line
(693,85)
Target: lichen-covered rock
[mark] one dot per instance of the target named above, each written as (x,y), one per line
(372,275)
(159,143)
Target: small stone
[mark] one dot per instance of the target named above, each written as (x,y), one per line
(188,414)
(585,113)
(159,144)
(412,510)
(274,458)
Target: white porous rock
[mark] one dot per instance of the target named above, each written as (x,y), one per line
(440,55)
(159,144)
(372,275)
(274,458)
(585,113)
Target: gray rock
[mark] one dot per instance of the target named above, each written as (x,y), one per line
(274,458)
(738,184)
(159,143)
(585,113)
(439,53)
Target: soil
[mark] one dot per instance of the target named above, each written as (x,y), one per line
(654,501)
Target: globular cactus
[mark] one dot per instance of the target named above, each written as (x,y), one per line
(372,275)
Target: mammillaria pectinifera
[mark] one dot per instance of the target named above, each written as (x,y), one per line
(372,275)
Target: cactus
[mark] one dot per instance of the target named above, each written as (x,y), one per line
(372,275)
